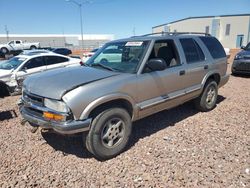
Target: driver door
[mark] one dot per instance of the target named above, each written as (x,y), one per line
(159,90)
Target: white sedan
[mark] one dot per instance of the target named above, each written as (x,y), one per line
(16,69)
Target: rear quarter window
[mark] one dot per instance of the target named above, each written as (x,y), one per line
(214,47)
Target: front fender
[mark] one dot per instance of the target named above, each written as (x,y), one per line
(109,98)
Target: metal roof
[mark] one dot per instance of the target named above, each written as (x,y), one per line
(196,17)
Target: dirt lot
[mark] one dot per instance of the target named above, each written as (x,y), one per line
(174,148)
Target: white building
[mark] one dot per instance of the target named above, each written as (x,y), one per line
(55,40)
(233,31)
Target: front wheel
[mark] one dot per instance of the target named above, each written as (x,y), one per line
(109,133)
(4,50)
(207,100)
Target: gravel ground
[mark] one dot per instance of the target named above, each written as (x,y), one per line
(180,147)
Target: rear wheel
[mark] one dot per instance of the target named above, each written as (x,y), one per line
(109,133)
(33,47)
(207,100)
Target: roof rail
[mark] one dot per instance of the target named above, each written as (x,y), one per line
(174,33)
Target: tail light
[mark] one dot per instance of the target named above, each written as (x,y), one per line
(81,63)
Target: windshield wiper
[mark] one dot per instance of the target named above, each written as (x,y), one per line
(102,66)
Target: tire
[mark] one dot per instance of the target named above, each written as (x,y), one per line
(207,100)
(33,47)
(109,133)
(4,50)
(104,61)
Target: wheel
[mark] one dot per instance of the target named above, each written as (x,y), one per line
(33,47)
(4,50)
(104,61)
(207,100)
(109,133)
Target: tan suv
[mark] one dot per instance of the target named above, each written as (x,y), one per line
(153,73)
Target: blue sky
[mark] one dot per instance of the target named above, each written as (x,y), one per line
(117,17)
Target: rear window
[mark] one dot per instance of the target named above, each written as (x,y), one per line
(214,46)
(192,50)
(51,60)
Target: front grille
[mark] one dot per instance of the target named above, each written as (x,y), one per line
(243,66)
(35,112)
(246,57)
(34,99)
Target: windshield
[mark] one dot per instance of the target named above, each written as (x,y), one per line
(12,63)
(120,56)
(247,47)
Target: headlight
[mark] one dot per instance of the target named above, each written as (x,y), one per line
(238,57)
(58,106)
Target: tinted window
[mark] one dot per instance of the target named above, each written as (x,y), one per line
(34,63)
(214,46)
(51,60)
(192,50)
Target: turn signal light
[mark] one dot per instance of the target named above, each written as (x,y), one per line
(52,116)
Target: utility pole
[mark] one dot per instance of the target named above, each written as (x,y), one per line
(80,9)
(7,33)
(134,31)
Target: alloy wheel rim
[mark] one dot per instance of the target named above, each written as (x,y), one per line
(113,132)
(211,94)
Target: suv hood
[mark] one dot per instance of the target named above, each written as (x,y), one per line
(244,53)
(55,83)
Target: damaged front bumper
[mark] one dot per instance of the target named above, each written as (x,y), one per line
(32,114)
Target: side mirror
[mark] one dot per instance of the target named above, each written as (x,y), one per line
(156,64)
(242,47)
(24,69)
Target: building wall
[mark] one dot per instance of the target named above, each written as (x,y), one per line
(239,25)
(69,41)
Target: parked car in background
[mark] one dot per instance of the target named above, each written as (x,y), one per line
(241,63)
(62,51)
(88,55)
(18,45)
(16,69)
(140,76)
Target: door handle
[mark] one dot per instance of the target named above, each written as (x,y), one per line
(182,72)
(206,67)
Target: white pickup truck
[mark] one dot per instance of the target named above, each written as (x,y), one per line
(18,45)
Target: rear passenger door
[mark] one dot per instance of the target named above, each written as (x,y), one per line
(197,64)
(54,62)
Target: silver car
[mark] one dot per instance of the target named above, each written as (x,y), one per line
(152,73)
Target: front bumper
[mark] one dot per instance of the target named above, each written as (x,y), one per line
(241,66)
(67,127)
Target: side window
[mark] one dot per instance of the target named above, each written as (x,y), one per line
(192,50)
(34,63)
(51,60)
(166,50)
(18,42)
(214,46)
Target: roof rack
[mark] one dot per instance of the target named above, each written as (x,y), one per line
(174,33)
